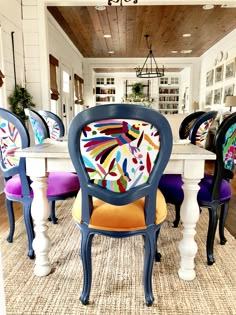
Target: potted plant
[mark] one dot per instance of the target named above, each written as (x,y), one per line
(19,100)
(137,89)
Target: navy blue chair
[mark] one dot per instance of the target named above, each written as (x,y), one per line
(13,136)
(54,123)
(215,190)
(187,124)
(119,155)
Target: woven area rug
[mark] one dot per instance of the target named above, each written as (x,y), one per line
(117,274)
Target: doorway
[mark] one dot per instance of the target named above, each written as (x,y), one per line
(67,104)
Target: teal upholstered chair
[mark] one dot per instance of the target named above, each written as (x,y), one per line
(119,155)
(13,136)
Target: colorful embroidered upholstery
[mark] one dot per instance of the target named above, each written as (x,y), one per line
(39,126)
(187,123)
(13,136)
(201,135)
(214,190)
(54,123)
(119,155)
(199,131)
(229,148)
(10,141)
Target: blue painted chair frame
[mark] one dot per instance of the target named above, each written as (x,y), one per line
(147,190)
(215,190)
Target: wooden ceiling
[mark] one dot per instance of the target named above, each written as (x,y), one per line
(127,26)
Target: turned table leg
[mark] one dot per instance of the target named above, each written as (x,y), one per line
(40,213)
(189,214)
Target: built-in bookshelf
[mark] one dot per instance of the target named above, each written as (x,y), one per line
(169,95)
(105,91)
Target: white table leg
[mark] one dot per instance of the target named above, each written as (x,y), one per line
(189,214)
(40,214)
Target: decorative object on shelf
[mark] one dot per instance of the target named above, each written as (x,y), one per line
(150,68)
(137,89)
(230,102)
(19,100)
(121,2)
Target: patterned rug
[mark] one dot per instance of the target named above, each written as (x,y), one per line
(117,274)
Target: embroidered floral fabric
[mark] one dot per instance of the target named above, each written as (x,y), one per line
(10,141)
(53,127)
(119,155)
(229,147)
(38,131)
(202,131)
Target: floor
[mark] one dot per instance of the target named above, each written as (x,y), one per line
(230,223)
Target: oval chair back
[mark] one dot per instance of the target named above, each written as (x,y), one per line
(199,131)
(55,124)
(187,124)
(119,155)
(39,126)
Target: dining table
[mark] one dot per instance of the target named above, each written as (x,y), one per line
(186,159)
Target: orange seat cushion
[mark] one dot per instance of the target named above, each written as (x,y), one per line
(129,217)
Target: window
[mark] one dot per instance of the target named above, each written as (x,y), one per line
(53,77)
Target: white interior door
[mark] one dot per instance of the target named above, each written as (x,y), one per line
(67,104)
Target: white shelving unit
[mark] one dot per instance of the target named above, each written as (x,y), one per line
(105,91)
(169,95)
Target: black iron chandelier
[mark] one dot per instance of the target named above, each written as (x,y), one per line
(117,1)
(150,68)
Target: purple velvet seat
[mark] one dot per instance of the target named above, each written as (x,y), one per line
(59,184)
(215,190)
(170,182)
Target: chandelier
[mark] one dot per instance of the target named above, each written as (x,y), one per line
(150,68)
(117,1)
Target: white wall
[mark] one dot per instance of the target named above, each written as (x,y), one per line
(209,61)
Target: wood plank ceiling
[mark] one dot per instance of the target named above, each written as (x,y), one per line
(127,26)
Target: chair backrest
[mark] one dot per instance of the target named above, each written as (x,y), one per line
(187,124)
(13,135)
(225,143)
(119,154)
(199,131)
(55,124)
(39,126)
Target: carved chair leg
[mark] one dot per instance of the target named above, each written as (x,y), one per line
(223,216)
(150,240)
(11,218)
(52,217)
(213,219)
(86,244)
(29,228)
(177,216)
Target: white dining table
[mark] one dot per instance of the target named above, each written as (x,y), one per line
(186,159)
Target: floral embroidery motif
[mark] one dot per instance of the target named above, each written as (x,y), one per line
(10,141)
(202,131)
(38,131)
(53,127)
(118,154)
(229,147)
